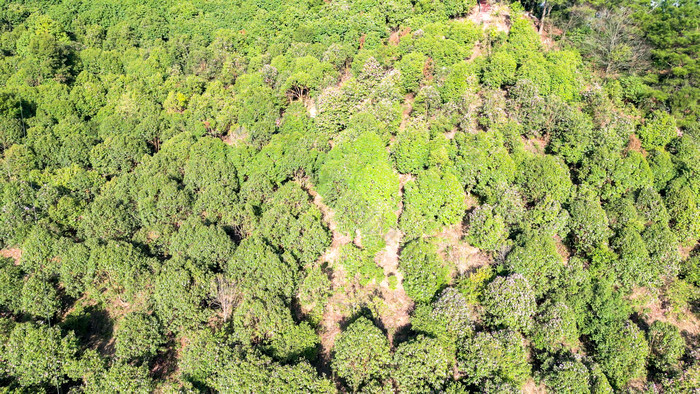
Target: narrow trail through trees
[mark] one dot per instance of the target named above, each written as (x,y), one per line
(396,316)
(333,312)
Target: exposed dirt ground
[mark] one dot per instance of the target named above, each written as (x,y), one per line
(530,387)
(336,308)
(395,317)
(495,17)
(13,253)
(455,250)
(651,308)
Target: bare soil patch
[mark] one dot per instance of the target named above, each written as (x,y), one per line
(12,253)
(562,249)
(530,387)
(407,108)
(535,145)
(651,308)
(395,316)
(454,249)
(342,301)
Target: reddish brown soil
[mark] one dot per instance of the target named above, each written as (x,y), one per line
(12,253)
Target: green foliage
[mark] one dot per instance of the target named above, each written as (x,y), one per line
(662,246)
(181,185)
(460,81)
(292,223)
(424,272)
(499,354)
(411,67)
(667,346)
(622,352)
(412,150)
(449,318)
(39,297)
(138,336)
(314,292)
(564,74)
(201,243)
(38,355)
(510,302)
(178,291)
(537,260)
(204,355)
(434,200)
(534,69)
(257,268)
(361,354)
(568,376)
(545,177)
(422,364)
(483,162)
(548,217)
(685,213)
(633,267)
(500,70)
(658,131)
(121,378)
(472,288)
(589,223)
(10,285)
(358,182)
(555,327)
(360,264)
(487,229)
(523,40)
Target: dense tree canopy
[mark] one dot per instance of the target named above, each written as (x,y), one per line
(404,196)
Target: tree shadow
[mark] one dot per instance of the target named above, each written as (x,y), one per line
(93,327)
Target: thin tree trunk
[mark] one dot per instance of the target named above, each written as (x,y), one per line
(545,11)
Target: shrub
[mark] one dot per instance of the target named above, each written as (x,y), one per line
(483,162)
(633,267)
(121,378)
(536,259)
(622,352)
(547,217)
(535,70)
(545,176)
(39,297)
(658,130)
(667,346)
(38,355)
(568,376)
(411,67)
(500,70)
(555,327)
(434,200)
(589,223)
(510,302)
(138,336)
(422,365)
(487,229)
(685,213)
(411,149)
(361,354)
(499,354)
(424,272)
(449,318)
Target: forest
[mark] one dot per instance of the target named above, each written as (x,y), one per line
(349,196)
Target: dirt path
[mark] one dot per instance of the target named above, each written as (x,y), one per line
(408,107)
(335,310)
(396,316)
